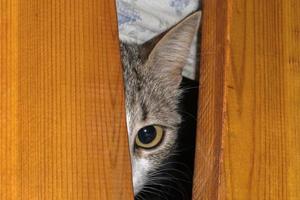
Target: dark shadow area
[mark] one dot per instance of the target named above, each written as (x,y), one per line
(177,173)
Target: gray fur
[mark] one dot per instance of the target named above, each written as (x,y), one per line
(153,94)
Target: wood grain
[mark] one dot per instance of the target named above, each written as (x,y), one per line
(262,144)
(211,100)
(62,117)
(258,155)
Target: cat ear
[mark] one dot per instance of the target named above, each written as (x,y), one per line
(170,54)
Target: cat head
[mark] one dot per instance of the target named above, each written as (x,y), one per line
(152,82)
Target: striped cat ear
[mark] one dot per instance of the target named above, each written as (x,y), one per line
(170,54)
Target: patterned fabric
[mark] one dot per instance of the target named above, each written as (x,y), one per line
(141,20)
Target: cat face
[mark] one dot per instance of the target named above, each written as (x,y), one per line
(152,98)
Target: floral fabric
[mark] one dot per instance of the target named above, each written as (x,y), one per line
(141,20)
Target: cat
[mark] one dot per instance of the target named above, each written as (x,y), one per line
(154,98)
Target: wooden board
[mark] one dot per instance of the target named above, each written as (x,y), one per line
(248,144)
(211,100)
(62,117)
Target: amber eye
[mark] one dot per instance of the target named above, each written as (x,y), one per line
(149,136)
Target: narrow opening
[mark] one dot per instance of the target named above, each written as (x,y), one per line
(159,44)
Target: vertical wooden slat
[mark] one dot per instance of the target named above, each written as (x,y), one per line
(256,153)
(9,168)
(262,145)
(63,133)
(211,100)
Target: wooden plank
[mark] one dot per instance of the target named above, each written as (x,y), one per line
(62,125)
(211,100)
(262,144)
(9,169)
(258,156)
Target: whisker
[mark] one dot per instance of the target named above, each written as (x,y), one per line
(146,189)
(171,177)
(175,170)
(187,114)
(171,187)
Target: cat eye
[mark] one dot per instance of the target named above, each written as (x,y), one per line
(149,136)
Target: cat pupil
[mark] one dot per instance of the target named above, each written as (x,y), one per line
(147,134)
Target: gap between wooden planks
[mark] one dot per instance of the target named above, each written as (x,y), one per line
(62,120)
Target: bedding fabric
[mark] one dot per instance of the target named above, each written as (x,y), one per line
(141,20)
